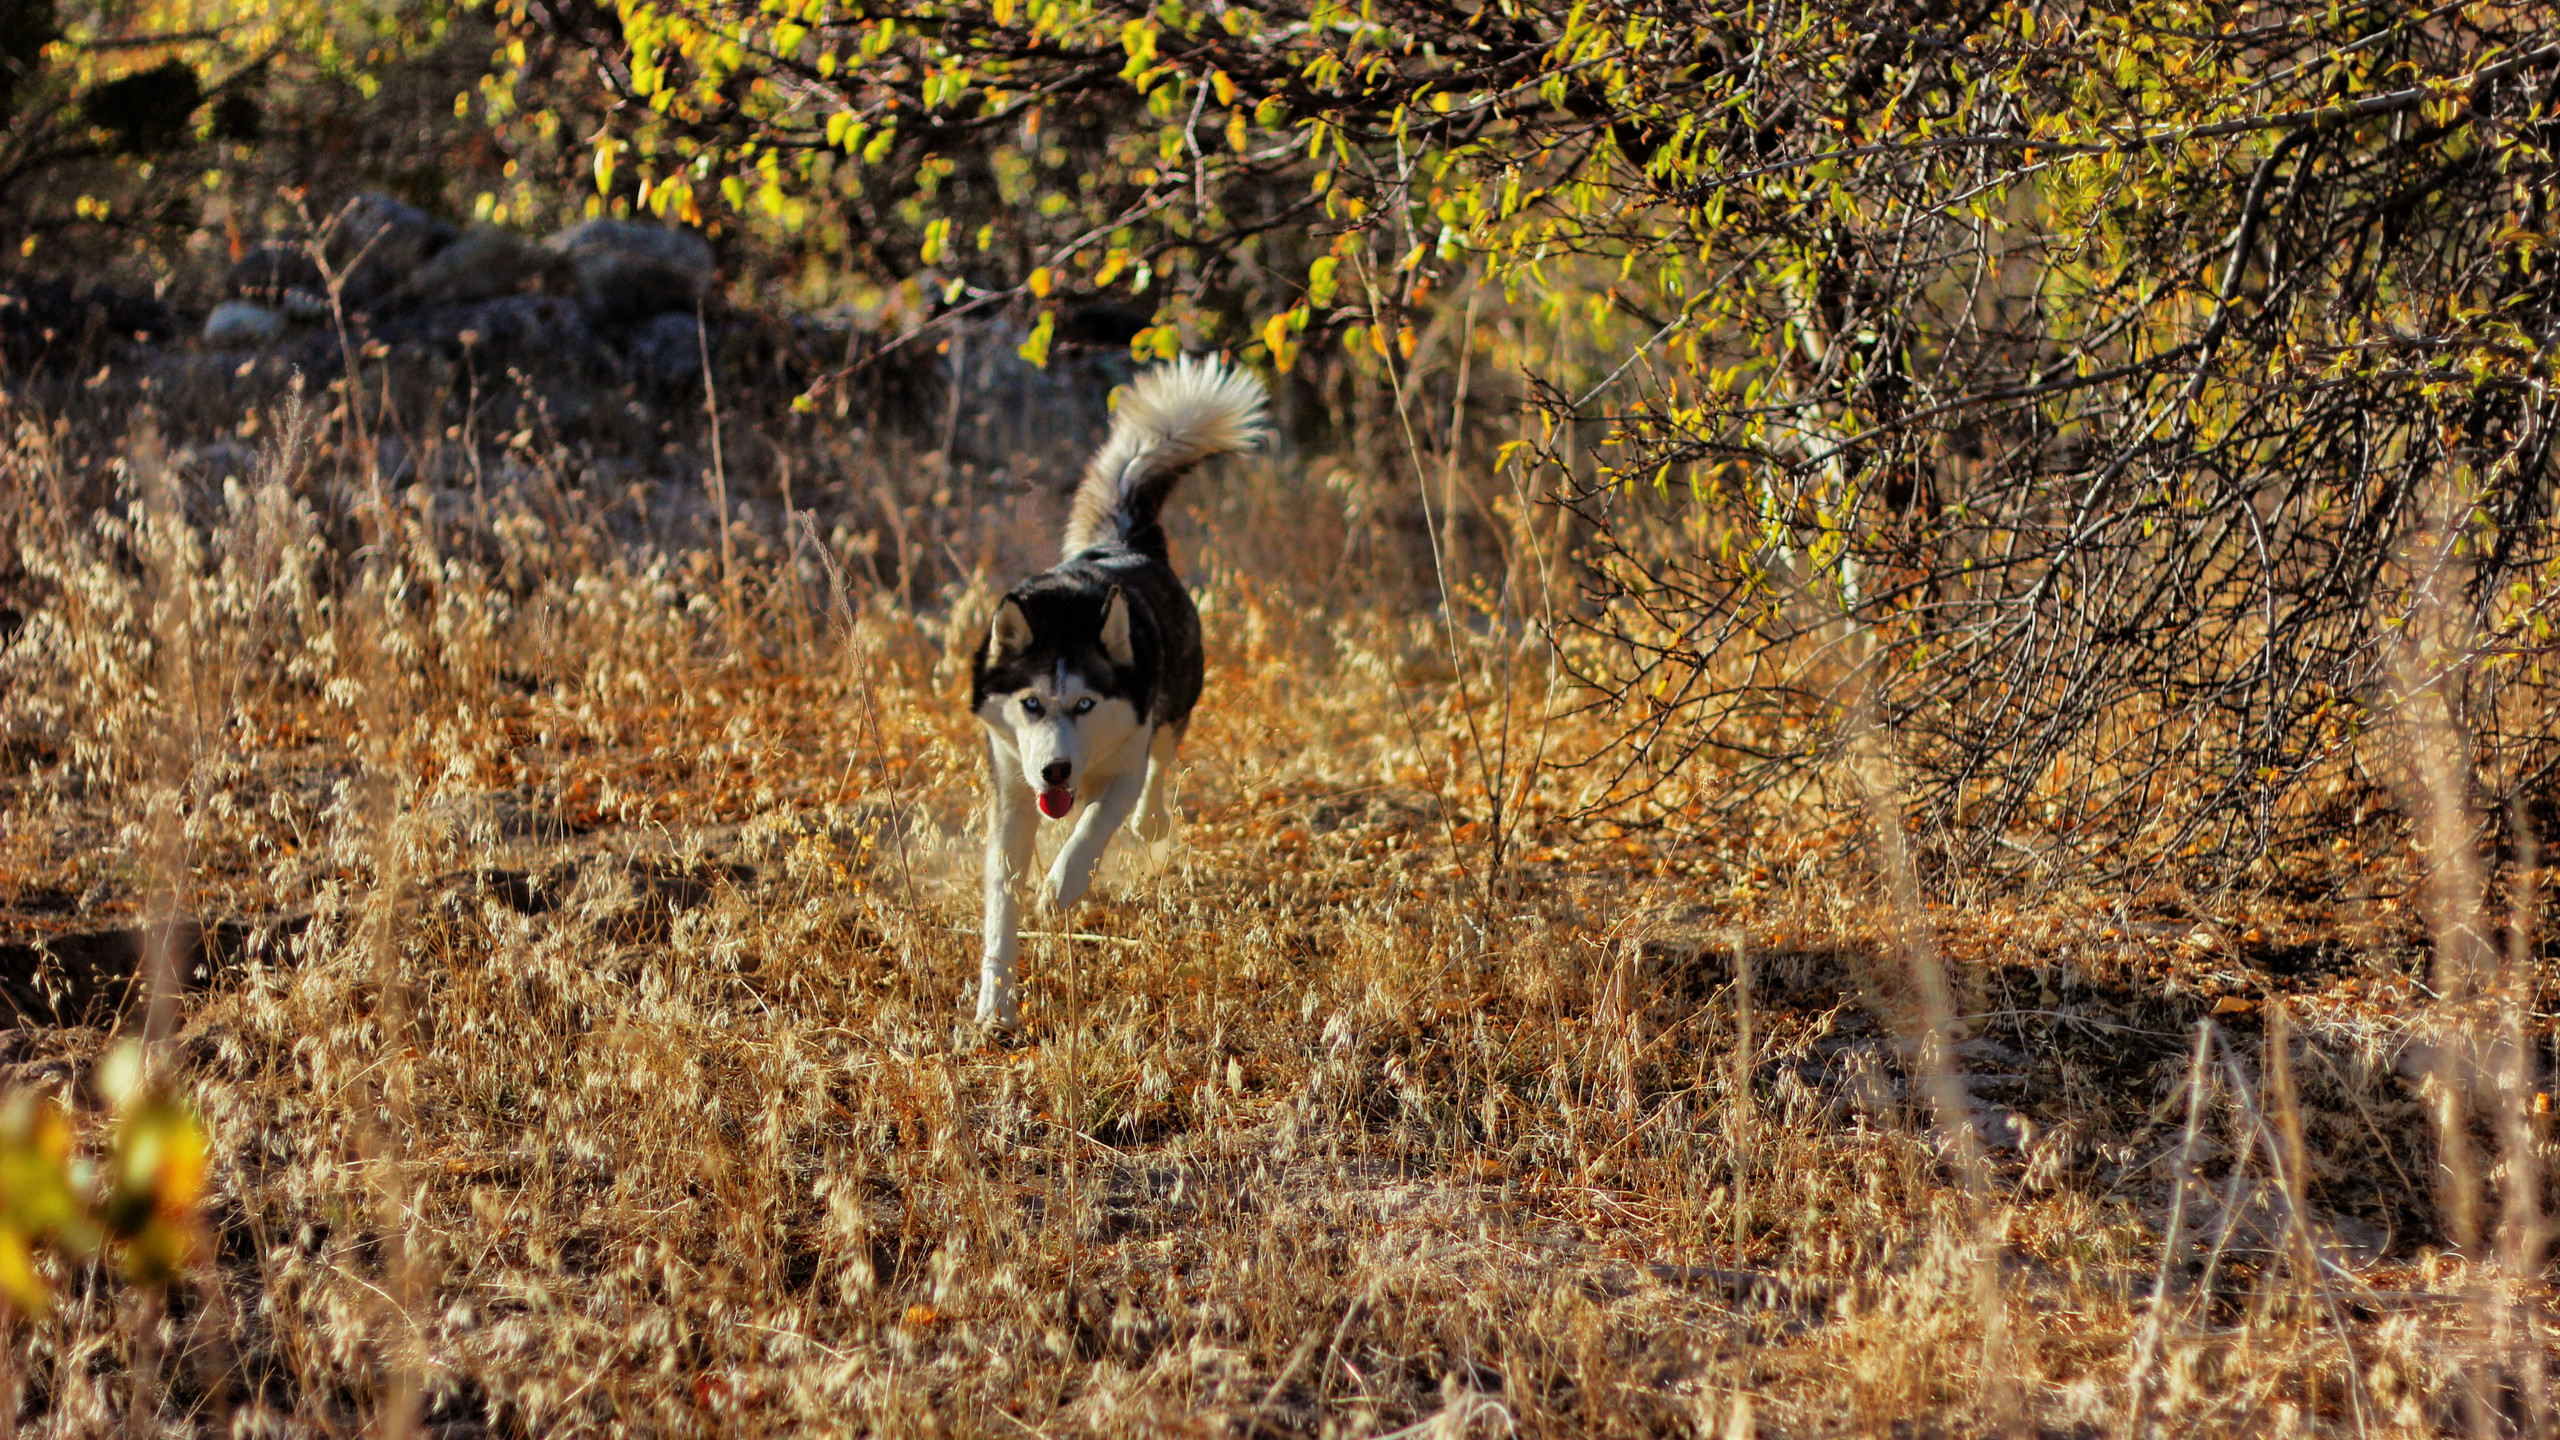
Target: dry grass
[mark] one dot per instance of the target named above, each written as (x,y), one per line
(591,1060)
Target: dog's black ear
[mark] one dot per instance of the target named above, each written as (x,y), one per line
(1115,628)
(1011,633)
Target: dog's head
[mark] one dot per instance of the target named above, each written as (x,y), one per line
(1051,688)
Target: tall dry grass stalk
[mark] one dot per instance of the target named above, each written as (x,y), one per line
(1930,1046)
(2480,1075)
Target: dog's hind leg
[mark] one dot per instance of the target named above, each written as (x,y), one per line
(1154,824)
(1012,825)
(1109,811)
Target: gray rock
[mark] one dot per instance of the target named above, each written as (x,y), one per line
(375,242)
(239,323)
(216,462)
(666,349)
(627,270)
(271,270)
(1034,423)
(537,333)
(486,262)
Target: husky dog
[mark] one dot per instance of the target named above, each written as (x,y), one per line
(1090,669)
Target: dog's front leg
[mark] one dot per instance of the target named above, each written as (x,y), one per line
(1110,809)
(1012,826)
(1155,803)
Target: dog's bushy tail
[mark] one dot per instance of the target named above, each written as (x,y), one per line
(1172,418)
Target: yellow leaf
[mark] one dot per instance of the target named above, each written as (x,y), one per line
(18,1278)
(177,1179)
(1320,279)
(160,1252)
(118,1078)
(1036,349)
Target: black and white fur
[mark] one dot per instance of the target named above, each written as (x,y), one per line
(1090,668)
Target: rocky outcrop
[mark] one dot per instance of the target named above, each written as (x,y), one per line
(627,270)
(547,334)
(666,350)
(278,275)
(54,326)
(240,324)
(374,243)
(485,263)
(604,299)
(600,332)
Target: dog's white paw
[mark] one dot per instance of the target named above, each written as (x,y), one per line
(999,1003)
(1067,885)
(998,1012)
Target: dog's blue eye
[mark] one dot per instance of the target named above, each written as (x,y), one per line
(1030,706)
(1084,704)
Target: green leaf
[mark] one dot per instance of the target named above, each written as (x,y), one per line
(1320,279)
(1036,349)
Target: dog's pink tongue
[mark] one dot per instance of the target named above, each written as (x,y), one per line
(1056,801)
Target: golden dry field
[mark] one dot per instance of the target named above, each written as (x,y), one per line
(1880,746)
(560,911)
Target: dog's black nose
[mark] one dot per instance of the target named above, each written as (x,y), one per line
(1055,773)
